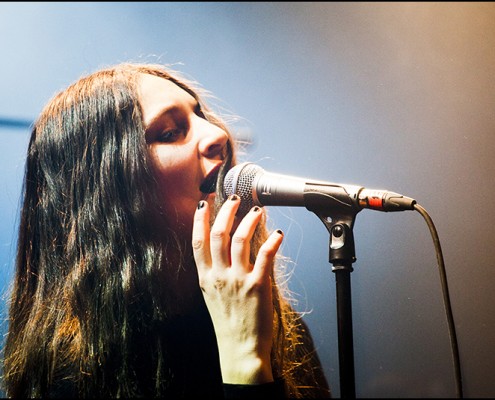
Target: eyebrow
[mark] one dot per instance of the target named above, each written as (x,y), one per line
(159,116)
(173,108)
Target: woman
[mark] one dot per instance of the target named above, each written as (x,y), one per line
(134,275)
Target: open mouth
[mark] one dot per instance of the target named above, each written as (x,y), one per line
(210,183)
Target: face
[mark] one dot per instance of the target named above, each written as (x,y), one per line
(186,150)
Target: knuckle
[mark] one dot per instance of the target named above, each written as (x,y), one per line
(212,282)
(218,234)
(219,284)
(239,239)
(198,243)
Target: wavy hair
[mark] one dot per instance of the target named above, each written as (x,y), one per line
(87,304)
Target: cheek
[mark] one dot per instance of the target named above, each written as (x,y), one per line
(172,165)
(178,187)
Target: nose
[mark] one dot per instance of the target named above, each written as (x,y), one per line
(212,139)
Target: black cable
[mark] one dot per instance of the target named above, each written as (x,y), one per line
(446,299)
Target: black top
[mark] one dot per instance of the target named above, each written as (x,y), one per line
(193,365)
(272,390)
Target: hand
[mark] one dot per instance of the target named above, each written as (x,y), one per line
(237,293)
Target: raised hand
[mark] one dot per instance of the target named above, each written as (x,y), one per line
(237,293)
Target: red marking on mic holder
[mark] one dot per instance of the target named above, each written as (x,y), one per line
(375,202)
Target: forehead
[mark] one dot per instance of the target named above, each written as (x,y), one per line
(157,94)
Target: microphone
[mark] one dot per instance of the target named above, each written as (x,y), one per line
(256,187)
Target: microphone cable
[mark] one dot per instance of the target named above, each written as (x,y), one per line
(446,298)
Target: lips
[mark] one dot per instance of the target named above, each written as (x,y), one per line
(210,182)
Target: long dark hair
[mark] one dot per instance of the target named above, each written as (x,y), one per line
(87,299)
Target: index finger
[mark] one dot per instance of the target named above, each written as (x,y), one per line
(201,236)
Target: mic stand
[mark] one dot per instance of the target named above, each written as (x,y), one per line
(342,255)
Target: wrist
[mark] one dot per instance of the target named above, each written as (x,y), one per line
(245,369)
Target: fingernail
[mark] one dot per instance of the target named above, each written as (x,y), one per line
(233,197)
(256,209)
(280,232)
(201,204)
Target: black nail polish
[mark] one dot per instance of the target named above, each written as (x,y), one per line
(233,197)
(201,204)
(256,209)
(280,232)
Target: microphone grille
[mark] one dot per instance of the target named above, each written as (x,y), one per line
(239,180)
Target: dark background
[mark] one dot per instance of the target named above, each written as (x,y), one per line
(398,96)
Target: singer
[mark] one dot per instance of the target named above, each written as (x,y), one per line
(135,275)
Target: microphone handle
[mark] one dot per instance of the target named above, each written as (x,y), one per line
(280,190)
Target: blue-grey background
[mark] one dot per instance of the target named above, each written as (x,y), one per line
(398,96)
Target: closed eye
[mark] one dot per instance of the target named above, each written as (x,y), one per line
(170,135)
(199,111)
